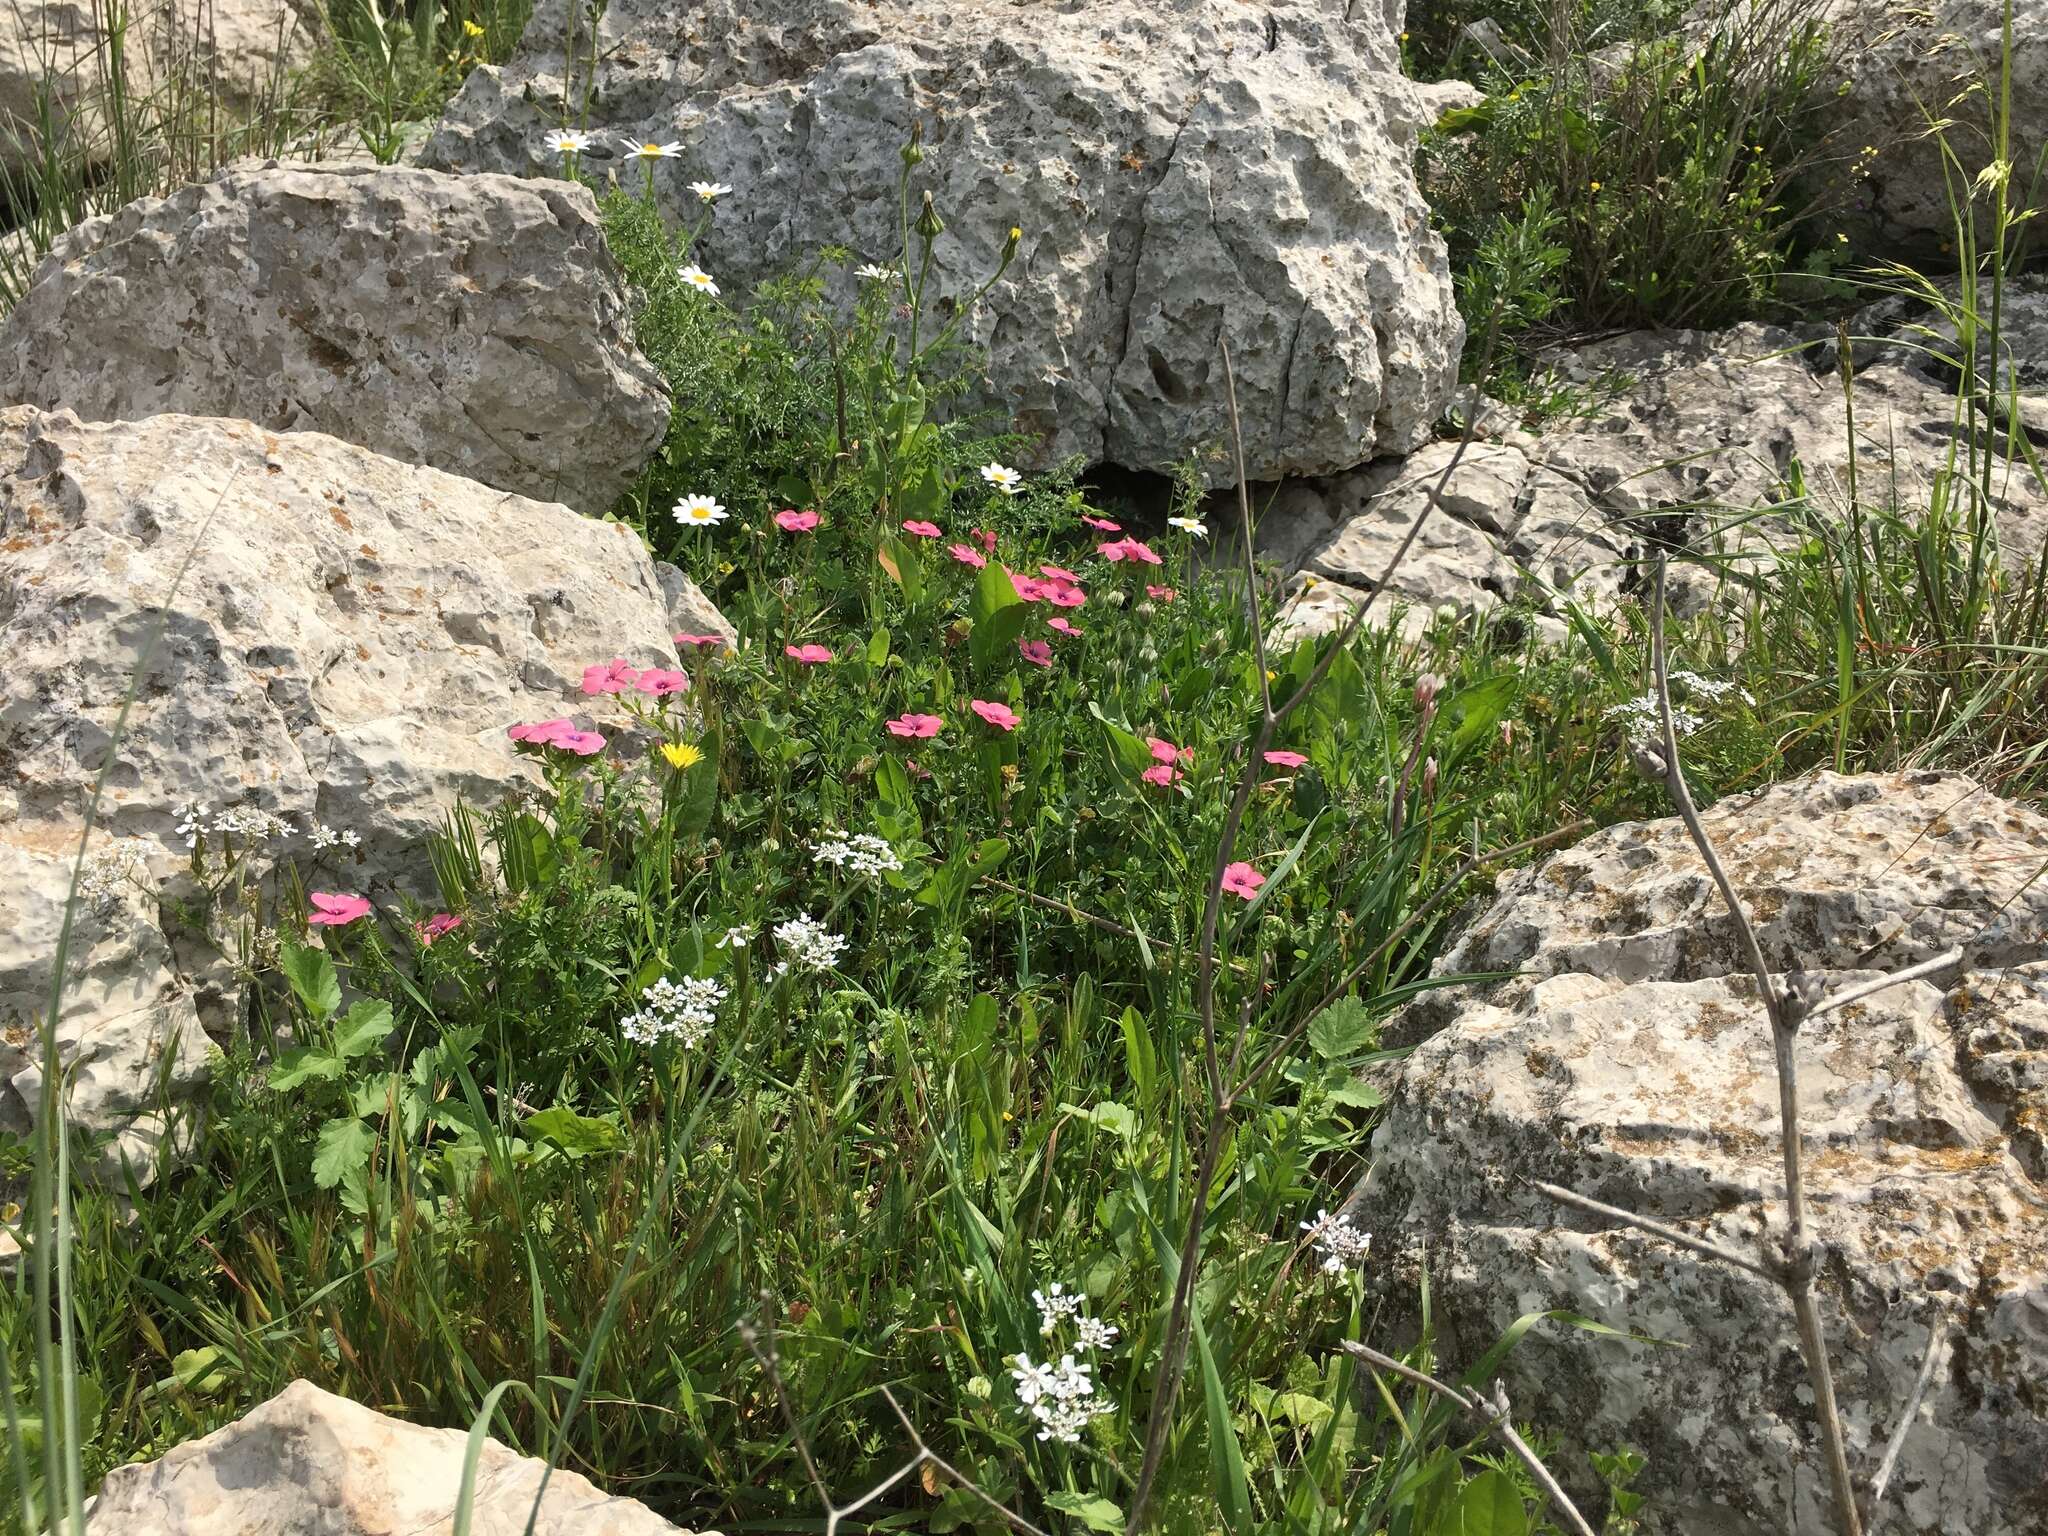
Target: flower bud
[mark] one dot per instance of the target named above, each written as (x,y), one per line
(1427,687)
(929,225)
(914,150)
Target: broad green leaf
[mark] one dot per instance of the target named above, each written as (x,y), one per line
(342,1151)
(900,562)
(1109,1116)
(1226,1457)
(1345,1028)
(699,796)
(1489,1505)
(1132,755)
(1092,1510)
(368,1022)
(878,647)
(312,978)
(577,1135)
(302,1064)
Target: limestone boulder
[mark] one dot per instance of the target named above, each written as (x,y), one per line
(475,324)
(1179,174)
(345,649)
(308,1461)
(1627,1058)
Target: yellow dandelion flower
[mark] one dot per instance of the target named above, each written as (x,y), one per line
(681,754)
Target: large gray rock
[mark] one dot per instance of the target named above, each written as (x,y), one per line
(308,1463)
(55,59)
(1180,171)
(475,324)
(347,647)
(1904,66)
(1628,1058)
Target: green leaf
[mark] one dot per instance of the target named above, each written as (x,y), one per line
(1311,1413)
(1345,1028)
(699,798)
(303,1064)
(999,615)
(1092,1510)
(342,1152)
(577,1135)
(1489,1505)
(892,784)
(368,1022)
(1140,1059)
(878,647)
(1109,1116)
(900,562)
(312,978)
(1132,755)
(1350,1091)
(1226,1457)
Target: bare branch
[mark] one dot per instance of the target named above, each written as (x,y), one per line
(1698,1245)
(1937,1339)
(1244,521)
(1493,1415)
(1864,989)
(1016,1520)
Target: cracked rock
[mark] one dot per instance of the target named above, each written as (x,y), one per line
(348,645)
(1627,1057)
(1179,171)
(475,324)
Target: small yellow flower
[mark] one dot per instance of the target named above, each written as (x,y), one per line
(471,29)
(681,754)
(1016,232)
(1593,186)
(1404,37)
(1272,676)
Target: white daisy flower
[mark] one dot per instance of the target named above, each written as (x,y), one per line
(569,141)
(699,279)
(870,273)
(1003,478)
(699,511)
(1189,525)
(648,150)
(709,191)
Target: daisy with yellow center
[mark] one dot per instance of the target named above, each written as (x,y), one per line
(699,279)
(567,141)
(699,512)
(1002,478)
(649,150)
(681,755)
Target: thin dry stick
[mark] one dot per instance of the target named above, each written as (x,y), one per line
(1699,1245)
(1494,1415)
(1937,1337)
(1865,989)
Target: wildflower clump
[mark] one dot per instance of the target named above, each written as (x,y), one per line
(1060,1395)
(682,1011)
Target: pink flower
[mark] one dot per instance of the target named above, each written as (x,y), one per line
(915,771)
(985,539)
(1037,652)
(918,727)
(1001,716)
(1062,626)
(921,528)
(1055,573)
(1240,879)
(965,555)
(435,926)
(1064,594)
(809,655)
(1166,752)
(1286,759)
(332,910)
(613,677)
(558,733)
(700,640)
(789,520)
(1030,588)
(1160,594)
(662,681)
(1102,523)
(540,732)
(1127,549)
(582,743)
(1160,773)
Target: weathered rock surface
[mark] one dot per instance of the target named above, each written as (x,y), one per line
(1180,171)
(310,1462)
(1629,1060)
(1707,425)
(347,647)
(475,324)
(1906,64)
(243,48)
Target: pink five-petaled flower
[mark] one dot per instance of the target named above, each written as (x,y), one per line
(540,732)
(699,640)
(1127,549)
(809,655)
(1102,524)
(333,910)
(1064,594)
(435,926)
(613,676)
(1037,652)
(1286,759)
(1001,716)
(916,727)
(1057,573)
(921,528)
(1030,588)
(966,555)
(1240,879)
(558,733)
(789,520)
(658,682)
(985,539)
(1160,594)
(1166,761)
(1062,626)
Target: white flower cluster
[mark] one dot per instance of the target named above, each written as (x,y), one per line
(107,871)
(246,822)
(683,1011)
(1061,1396)
(1341,1244)
(807,945)
(1640,723)
(324,836)
(1710,687)
(863,853)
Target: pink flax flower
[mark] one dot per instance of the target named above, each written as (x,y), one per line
(1064,594)
(1127,549)
(659,682)
(789,520)
(613,676)
(984,538)
(1030,588)
(560,734)
(1062,626)
(1240,879)
(1102,524)
(1160,594)
(334,910)
(921,528)
(1001,716)
(540,732)
(916,772)
(700,641)
(1037,652)
(1286,759)
(915,727)
(1057,573)
(966,555)
(808,655)
(437,925)
(1166,761)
